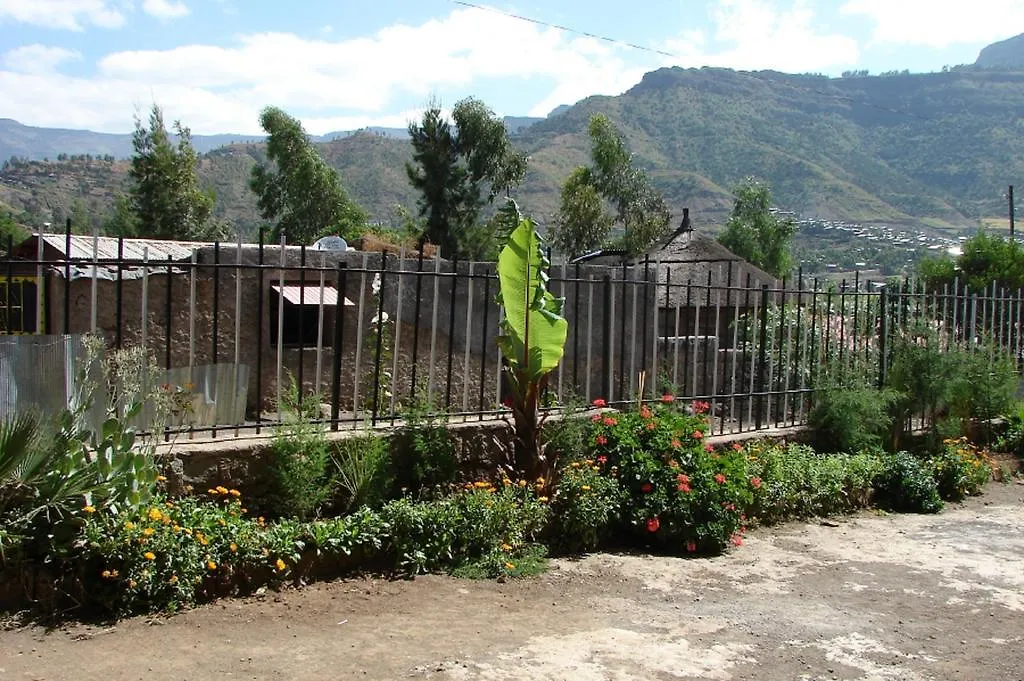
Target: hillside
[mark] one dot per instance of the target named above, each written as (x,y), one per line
(1006,54)
(925,150)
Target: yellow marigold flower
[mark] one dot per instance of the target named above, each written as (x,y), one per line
(210,565)
(480,484)
(540,481)
(221,489)
(506,482)
(89,509)
(575,464)
(510,566)
(149,555)
(506,547)
(203,540)
(129,525)
(188,531)
(542,500)
(161,478)
(235,493)
(211,491)
(522,483)
(585,488)
(176,528)
(148,531)
(173,579)
(233,547)
(280,565)
(155,514)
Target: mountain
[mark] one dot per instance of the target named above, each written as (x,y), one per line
(933,150)
(1006,54)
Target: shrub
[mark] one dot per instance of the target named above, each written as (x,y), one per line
(794,481)
(586,505)
(851,415)
(906,484)
(677,493)
(425,460)
(362,472)
(300,461)
(983,386)
(960,470)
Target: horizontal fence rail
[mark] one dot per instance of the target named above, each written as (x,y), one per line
(356,339)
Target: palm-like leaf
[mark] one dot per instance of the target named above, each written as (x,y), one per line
(21,457)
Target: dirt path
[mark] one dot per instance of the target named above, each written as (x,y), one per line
(876,597)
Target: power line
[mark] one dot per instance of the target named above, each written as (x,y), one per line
(663,53)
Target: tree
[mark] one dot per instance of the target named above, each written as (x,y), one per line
(165,194)
(458,168)
(10,231)
(122,221)
(983,259)
(582,223)
(755,232)
(301,192)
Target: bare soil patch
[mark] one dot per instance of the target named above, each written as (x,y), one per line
(869,597)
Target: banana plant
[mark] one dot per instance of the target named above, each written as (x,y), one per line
(532,340)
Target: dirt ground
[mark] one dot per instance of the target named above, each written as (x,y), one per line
(871,597)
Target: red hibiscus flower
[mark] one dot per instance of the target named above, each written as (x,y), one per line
(719,478)
(600,403)
(756,482)
(691,546)
(668,399)
(602,440)
(653,524)
(647,488)
(697,434)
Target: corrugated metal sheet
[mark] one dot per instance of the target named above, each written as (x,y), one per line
(309,294)
(134,249)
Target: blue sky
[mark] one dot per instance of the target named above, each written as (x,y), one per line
(344,64)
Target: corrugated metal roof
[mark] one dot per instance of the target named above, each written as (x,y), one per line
(134,249)
(309,294)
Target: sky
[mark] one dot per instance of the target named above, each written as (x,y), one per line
(344,65)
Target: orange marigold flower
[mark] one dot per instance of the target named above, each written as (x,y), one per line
(280,565)
(148,531)
(88,509)
(149,555)
(233,547)
(210,565)
(510,566)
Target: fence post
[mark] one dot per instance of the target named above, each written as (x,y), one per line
(606,354)
(883,334)
(339,327)
(762,347)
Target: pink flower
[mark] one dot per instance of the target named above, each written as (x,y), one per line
(719,478)
(682,477)
(647,488)
(737,446)
(697,435)
(737,540)
(602,460)
(700,407)
(683,487)
(709,448)
(609,421)
(756,482)
(646,412)
(600,403)
(668,399)
(676,443)
(596,418)
(691,546)
(653,524)
(602,440)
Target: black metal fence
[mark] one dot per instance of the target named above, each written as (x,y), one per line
(365,336)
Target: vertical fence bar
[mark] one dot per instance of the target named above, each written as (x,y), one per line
(118,293)
(193,261)
(451,334)
(695,349)
(562,286)
(717,356)
(667,308)
(748,361)
(763,347)
(815,361)
(643,340)
(41,288)
(590,335)
(622,336)
(319,365)
(706,336)
(798,374)
(688,342)
(144,326)
(9,286)
(483,340)
(576,335)
(416,325)
(733,350)
(396,352)
(883,335)
(380,339)
(94,292)
(216,302)
(302,325)
(632,337)
(360,328)
(238,331)
(775,376)
(606,350)
(339,333)
(280,327)
(259,335)
(167,332)
(470,284)
(67,276)
(676,342)
(786,367)
(653,302)
(433,328)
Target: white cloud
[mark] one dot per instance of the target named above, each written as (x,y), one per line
(757,34)
(38,58)
(164,9)
(71,15)
(939,23)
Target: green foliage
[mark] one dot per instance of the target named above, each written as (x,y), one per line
(961,469)
(363,475)
(583,224)
(301,467)
(122,220)
(532,340)
(425,461)
(756,233)
(907,484)
(850,414)
(794,481)
(458,168)
(165,194)
(586,506)
(300,192)
(10,231)
(1012,437)
(984,258)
